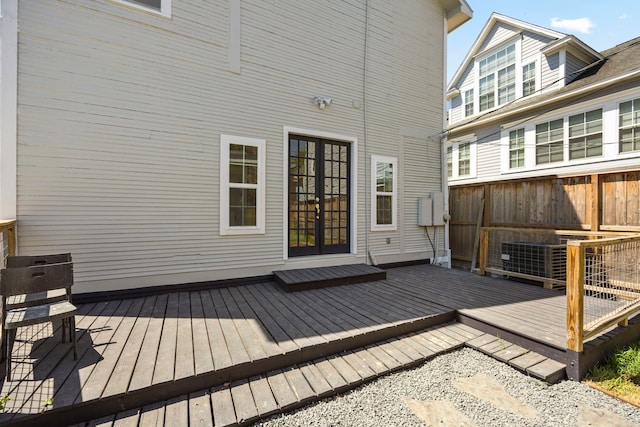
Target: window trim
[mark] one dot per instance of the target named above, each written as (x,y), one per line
(522,148)
(495,73)
(165,7)
(468,101)
(374,193)
(585,135)
(455,161)
(633,126)
(225,185)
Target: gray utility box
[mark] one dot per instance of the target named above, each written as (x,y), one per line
(431,210)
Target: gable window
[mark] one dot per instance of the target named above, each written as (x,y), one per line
(242,185)
(629,126)
(585,135)
(529,79)
(497,68)
(160,6)
(516,148)
(549,142)
(464,159)
(468,103)
(385,190)
(449,162)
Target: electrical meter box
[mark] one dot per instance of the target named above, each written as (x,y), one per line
(431,210)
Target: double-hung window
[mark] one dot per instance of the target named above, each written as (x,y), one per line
(529,79)
(497,74)
(385,192)
(629,125)
(585,135)
(550,142)
(242,185)
(464,159)
(516,148)
(468,103)
(449,162)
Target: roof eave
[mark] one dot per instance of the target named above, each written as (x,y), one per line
(458,12)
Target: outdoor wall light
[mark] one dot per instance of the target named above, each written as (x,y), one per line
(321,101)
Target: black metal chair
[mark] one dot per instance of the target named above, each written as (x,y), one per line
(49,296)
(34,280)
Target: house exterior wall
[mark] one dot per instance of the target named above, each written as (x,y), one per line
(493,141)
(573,66)
(121,111)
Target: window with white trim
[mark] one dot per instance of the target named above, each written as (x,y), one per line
(550,142)
(385,193)
(585,135)
(629,125)
(161,6)
(499,68)
(468,103)
(461,160)
(242,185)
(529,79)
(516,148)
(464,159)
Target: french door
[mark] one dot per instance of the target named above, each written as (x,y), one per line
(319,196)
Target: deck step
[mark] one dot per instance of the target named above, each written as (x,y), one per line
(249,400)
(322,277)
(520,358)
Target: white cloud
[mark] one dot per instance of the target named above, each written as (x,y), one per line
(580,25)
(624,16)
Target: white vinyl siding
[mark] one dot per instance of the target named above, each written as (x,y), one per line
(384,179)
(242,185)
(118,155)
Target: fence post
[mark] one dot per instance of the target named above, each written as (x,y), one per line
(575,296)
(484,249)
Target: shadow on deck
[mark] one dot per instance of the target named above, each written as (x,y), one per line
(134,352)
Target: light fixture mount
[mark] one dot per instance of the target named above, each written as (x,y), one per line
(321,101)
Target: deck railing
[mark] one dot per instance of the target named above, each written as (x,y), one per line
(603,286)
(7,239)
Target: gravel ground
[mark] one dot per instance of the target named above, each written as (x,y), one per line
(382,402)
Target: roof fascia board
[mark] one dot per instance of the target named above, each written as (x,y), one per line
(575,46)
(469,126)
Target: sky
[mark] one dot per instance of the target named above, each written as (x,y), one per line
(600,24)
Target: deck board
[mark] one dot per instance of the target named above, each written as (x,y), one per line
(208,337)
(143,371)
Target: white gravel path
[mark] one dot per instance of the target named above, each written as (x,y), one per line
(385,402)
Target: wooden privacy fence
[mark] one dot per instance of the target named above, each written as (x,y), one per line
(597,202)
(7,239)
(603,286)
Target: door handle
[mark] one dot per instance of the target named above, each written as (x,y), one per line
(317,210)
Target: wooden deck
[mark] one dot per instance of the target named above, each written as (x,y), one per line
(324,277)
(135,352)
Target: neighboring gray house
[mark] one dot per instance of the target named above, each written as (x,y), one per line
(528,102)
(543,132)
(173,141)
